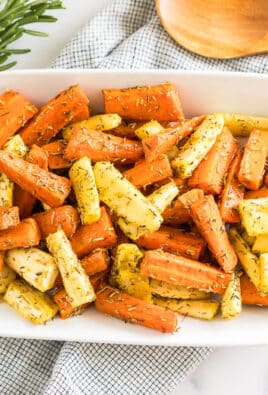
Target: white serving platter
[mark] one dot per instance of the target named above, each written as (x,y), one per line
(201,92)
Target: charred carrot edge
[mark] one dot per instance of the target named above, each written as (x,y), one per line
(256,194)
(9,216)
(125,307)
(232,193)
(65,217)
(25,234)
(68,106)
(100,234)
(15,111)
(45,186)
(189,197)
(127,129)
(210,172)
(174,241)
(55,152)
(183,271)
(253,161)
(65,308)
(249,293)
(176,214)
(100,146)
(24,201)
(38,157)
(159,102)
(206,216)
(145,173)
(95,262)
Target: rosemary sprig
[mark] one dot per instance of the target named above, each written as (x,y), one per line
(14,15)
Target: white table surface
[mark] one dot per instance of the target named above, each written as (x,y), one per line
(241,370)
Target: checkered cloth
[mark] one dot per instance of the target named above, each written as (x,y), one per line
(127,34)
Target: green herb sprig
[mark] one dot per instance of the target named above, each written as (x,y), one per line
(14,15)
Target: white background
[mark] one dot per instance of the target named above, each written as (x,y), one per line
(227,370)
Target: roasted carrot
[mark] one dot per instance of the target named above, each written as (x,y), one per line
(2,256)
(68,106)
(125,307)
(232,193)
(127,129)
(253,161)
(95,262)
(206,216)
(38,157)
(9,216)
(249,293)
(98,280)
(55,152)
(210,172)
(15,111)
(24,201)
(100,234)
(145,173)
(260,193)
(174,241)
(159,102)
(176,214)
(25,234)
(65,217)
(189,197)
(175,269)
(99,146)
(48,187)
(66,310)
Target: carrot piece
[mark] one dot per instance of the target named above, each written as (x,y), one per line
(189,197)
(98,280)
(173,240)
(25,234)
(65,217)
(96,262)
(232,193)
(38,157)
(176,214)
(206,216)
(256,194)
(100,146)
(66,310)
(15,111)
(253,161)
(127,129)
(100,234)
(24,201)
(9,216)
(145,173)
(2,256)
(158,144)
(45,186)
(68,106)
(159,102)
(210,172)
(55,152)
(125,307)
(249,293)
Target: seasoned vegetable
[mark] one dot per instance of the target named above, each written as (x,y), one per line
(173,291)
(176,214)
(9,216)
(7,275)
(161,198)
(55,152)
(25,234)
(260,243)
(250,294)
(231,304)
(95,262)
(242,124)
(263,286)
(254,216)
(149,129)
(66,310)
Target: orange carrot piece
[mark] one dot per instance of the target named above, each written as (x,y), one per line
(66,310)
(189,197)
(175,269)
(156,145)
(176,214)
(98,280)
(100,234)
(45,186)
(127,129)
(159,102)
(25,234)
(65,217)
(206,216)
(210,173)
(38,157)
(127,308)
(15,111)
(96,262)
(55,152)
(24,201)
(2,258)
(145,173)
(100,146)
(261,193)
(173,240)
(9,216)
(253,161)
(68,106)
(249,293)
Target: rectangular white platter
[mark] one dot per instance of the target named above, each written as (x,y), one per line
(200,92)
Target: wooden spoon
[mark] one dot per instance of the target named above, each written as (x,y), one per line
(217,28)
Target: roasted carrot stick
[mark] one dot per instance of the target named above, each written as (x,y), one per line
(260,193)
(98,280)
(159,102)
(206,216)
(2,256)
(253,161)
(25,234)
(38,157)
(125,307)
(175,269)
(65,217)
(145,173)
(210,172)
(48,187)
(174,241)
(9,216)
(55,152)
(176,214)
(189,197)
(100,234)
(68,106)
(95,262)
(66,310)
(249,293)
(24,201)
(15,111)
(232,193)
(99,146)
